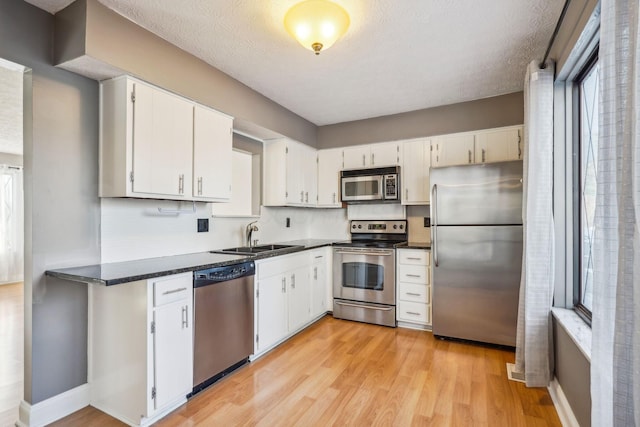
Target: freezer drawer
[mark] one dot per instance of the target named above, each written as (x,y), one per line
(476,282)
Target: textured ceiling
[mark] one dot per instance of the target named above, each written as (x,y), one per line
(398,55)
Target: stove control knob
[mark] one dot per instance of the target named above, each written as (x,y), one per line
(395,226)
(353,226)
(360,226)
(401,226)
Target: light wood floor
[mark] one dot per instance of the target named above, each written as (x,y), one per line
(11,351)
(352,374)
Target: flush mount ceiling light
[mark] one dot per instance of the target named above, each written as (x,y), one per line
(316,24)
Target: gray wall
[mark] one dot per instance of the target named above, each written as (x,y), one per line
(89,28)
(572,371)
(61,203)
(485,113)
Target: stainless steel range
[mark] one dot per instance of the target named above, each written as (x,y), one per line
(364,278)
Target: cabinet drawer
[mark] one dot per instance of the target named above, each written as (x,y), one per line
(413,257)
(413,312)
(413,274)
(170,289)
(413,292)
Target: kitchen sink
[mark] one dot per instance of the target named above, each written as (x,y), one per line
(260,249)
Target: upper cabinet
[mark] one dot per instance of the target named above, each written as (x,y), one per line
(329,167)
(372,155)
(415,171)
(212,157)
(497,145)
(290,174)
(485,146)
(449,150)
(154,145)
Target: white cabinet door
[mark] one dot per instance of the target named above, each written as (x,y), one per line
(162,142)
(295,176)
(173,352)
(499,145)
(452,150)
(385,154)
(357,157)
(318,282)
(272,311)
(299,288)
(212,158)
(308,166)
(329,167)
(415,172)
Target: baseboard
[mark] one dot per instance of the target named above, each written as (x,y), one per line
(565,413)
(54,408)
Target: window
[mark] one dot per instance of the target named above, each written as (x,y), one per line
(585,170)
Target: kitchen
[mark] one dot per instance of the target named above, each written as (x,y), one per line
(86,244)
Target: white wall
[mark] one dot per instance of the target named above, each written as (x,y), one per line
(133,228)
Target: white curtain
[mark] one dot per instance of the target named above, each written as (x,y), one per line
(615,352)
(533,344)
(11,225)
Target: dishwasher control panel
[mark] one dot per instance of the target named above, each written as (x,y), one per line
(223,274)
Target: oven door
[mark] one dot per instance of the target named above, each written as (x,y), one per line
(358,188)
(364,274)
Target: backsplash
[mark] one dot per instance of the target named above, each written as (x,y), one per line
(134,229)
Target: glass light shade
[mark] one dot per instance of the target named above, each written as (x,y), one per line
(316,24)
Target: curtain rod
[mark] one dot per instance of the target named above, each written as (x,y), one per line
(543,64)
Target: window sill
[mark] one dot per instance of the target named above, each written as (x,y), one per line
(577,329)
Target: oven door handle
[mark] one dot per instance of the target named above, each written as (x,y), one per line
(348,304)
(356,252)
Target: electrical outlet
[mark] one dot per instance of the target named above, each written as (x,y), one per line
(427,221)
(288,224)
(203,225)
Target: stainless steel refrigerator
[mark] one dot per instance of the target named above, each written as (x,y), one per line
(476,219)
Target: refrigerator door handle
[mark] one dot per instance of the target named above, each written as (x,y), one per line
(434,222)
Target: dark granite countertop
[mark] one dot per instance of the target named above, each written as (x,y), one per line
(131,271)
(415,245)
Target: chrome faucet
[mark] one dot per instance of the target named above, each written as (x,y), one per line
(249,231)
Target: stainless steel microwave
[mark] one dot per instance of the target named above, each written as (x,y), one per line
(370,185)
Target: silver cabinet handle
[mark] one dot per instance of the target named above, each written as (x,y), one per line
(200,186)
(413,275)
(415,258)
(334,197)
(363,160)
(370,307)
(315,273)
(181,183)
(519,149)
(301,196)
(293,281)
(413,313)
(406,192)
(173,291)
(413,294)
(483,155)
(185,317)
(284,284)
(306,197)
(319,256)
(373,159)
(469,156)
(434,201)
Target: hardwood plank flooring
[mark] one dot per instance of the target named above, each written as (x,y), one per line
(11,351)
(345,373)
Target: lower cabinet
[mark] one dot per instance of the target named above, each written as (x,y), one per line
(141,347)
(413,288)
(321,289)
(291,292)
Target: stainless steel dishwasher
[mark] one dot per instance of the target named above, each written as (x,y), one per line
(223,321)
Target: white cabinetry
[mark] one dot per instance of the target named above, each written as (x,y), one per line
(141,347)
(283,300)
(415,171)
(320,286)
(147,144)
(212,156)
(498,145)
(290,176)
(413,287)
(372,155)
(329,167)
(457,149)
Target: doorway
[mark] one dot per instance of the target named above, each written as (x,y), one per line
(11,241)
